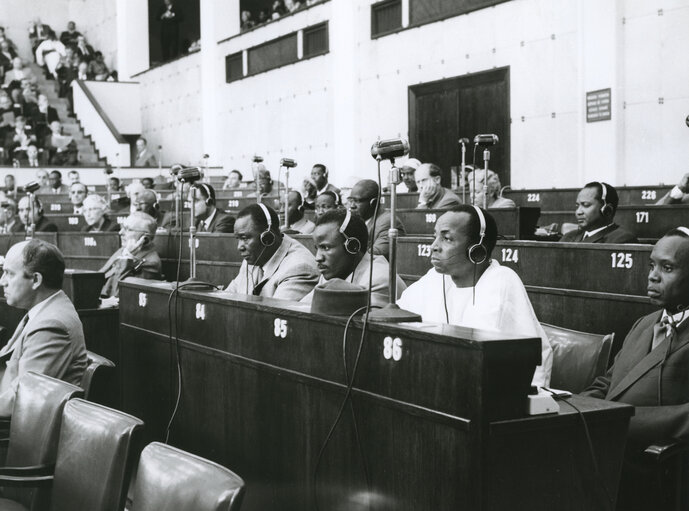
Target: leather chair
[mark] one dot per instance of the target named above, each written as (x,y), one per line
(172,479)
(95,454)
(578,357)
(98,380)
(34,432)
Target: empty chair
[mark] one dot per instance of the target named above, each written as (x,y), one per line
(94,458)
(578,357)
(171,479)
(98,380)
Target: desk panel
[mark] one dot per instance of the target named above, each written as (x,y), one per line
(7,240)
(551,199)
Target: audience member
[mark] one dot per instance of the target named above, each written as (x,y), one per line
(341,240)
(49,53)
(60,149)
(274,265)
(309,191)
(27,217)
(650,371)
(50,338)
(38,32)
(11,223)
(234,180)
(18,73)
(18,140)
(596,206)
(265,183)
(44,115)
(362,202)
(326,201)
(466,287)
(7,56)
(73,177)
(83,50)
(55,180)
(146,201)
(278,9)
(679,193)
(147,183)
(136,258)
(170,17)
(97,70)
(42,179)
(493,198)
(432,195)
(208,217)
(114,184)
(32,156)
(69,37)
(77,194)
(69,69)
(94,210)
(10,188)
(407,174)
(319,174)
(247,21)
(144,156)
(295,214)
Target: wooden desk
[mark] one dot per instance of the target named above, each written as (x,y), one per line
(66,222)
(649,223)
(7,240)
(555,199)
(515,223)
(443,427)
(87,250)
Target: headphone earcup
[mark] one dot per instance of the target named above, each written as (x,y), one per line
(477,254)
(352,246)
(267,238)
(606,209)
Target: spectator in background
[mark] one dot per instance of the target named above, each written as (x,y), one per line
(114,184)
(18,140)
(43,116)
(32,156)
(319,174)
(94,211)
(147,183)
(5,39)
(247,21)
(596,207)
(263,16)
(49,53)
(69,37)
(42,179)
(12,223)
(170,17)
(475,179)
(327,201)
(295,214)
(144,156)
(208,217)
(293,5)
(42,224)
(77,194)
(61,149)
(432,195)
(19,73)
(679,193)
(278,9)
(55,180)
(407,173)
(265,183)
(66,72)
(97,69)
(7,55)
(234,180)
(38,32)
(10,188)
(23,104)
(83,50)
(309,192)
(73,177)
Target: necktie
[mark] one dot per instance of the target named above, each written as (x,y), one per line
(660,332)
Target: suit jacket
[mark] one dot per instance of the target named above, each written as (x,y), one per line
(445,200)
(290,274)
(611,234)
(381,243)
(108,226)
(43,225)
(51,343)
(146,265)
(222,222)
(633,379)
(146,159)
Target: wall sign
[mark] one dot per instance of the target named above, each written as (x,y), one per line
(598,105)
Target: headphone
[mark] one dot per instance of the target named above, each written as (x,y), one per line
(267,237)
(478,253)
(683,229)
(606,209)
(210,195)
(352,245)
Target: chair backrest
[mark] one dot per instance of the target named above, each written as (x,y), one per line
(578,357)
(94,457)
(172,479)
(35,429)
(97,375)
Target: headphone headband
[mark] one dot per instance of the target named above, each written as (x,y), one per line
(345,223)
(478,253)
(267,214)
(683,229)
(352,245)
(604,192)
(267,237)
(482,221)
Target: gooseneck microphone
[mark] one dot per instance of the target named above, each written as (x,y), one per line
(189,174)
(30,188)
(287,163)
(486,139)
(389,149)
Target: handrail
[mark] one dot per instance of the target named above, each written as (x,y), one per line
(92,99)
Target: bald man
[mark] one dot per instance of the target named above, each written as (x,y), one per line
(77,194)
(295,213)
(42,224)
(432,195)
(362,202)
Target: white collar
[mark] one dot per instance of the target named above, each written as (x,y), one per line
(588,234)
(207,221)
(323,189)
(677,319)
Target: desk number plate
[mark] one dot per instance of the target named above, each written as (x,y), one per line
(280,328)
(73,220)
(143,299)
(392,348)
(201,311)
(90,242)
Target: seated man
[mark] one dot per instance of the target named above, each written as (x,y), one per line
(596,207)
(136,258)
(77,194)
(18,140)
(295,214)
(208,217)
(50,338)
(10,188)
(73,177)
(148,183)
(94,210)
(467,288)
(408,174)
(432,195)
(493,198)
(362,202)
(11,223)
(679,193)
(42,224)
(310,193)
(233,181)
(265,184)
(274,265)
(42,179)
(654,349)
(55,181)
(60,149)
(327,201)
(144,156)
(319,175)
(341,240)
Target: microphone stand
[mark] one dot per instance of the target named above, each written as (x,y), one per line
(32,226)
(392,313)
(463,172)
(486,159)
(286,197)
(192,282)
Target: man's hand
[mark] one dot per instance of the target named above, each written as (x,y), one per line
(428,190)
(684,183)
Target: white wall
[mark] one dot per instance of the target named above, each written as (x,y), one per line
(121,102)
(97,20)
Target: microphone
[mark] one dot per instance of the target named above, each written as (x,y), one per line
(288,162)
(464,141)
(189,174)
(485,140)
(31,187)
(174,170)
(108,170)
(389,149)
(257,159)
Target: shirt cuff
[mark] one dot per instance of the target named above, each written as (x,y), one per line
(676,193)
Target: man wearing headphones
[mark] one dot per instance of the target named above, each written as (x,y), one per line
(274,265)
(208,217)
(319,175)
(596,206)
(265,183)
(136,258)
(341,240)
(42,224)
(295,213)
(362,202)
(326,201)
(467,288)
(651,371)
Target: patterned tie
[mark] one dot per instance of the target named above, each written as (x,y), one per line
(660,332)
